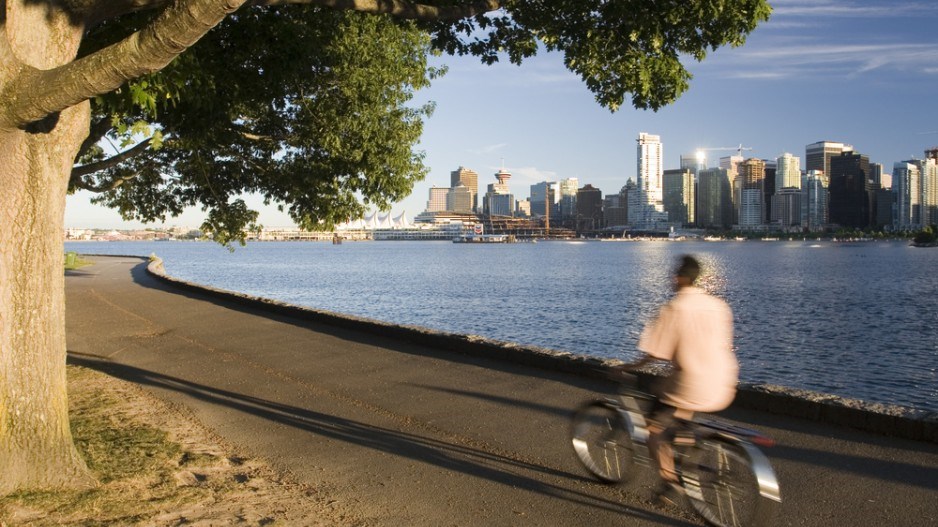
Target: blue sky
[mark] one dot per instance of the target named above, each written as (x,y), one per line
(859,72)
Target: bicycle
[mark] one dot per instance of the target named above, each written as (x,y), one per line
(726,478)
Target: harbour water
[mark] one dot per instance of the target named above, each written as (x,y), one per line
(857,320)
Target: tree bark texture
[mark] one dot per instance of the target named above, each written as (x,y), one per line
(36,447)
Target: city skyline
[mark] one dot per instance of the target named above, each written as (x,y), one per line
(861,73)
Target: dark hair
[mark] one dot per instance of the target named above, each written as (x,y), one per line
(688,268)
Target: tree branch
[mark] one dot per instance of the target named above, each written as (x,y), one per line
(84,170)
(179,26)
(400,8)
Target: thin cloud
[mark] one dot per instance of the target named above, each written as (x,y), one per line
(849,9)
(488,149)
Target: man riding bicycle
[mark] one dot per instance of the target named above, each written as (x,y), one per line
(694,332)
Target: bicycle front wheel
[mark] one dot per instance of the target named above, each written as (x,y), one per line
(722,485)
(602,442)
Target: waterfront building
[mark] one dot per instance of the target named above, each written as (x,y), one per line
(646,211)
(731,164)
(469,179)
(906,184)
(929,170)
(678,196)
(786,207)
(851,190)
(523,208)
(542,195)
(694,162)
(460,199)
(884,204)
(589,209)
(437,201)
(751,203)
(768,190)
(568,195)
(788,172)
(499,200)
(713,199)
(615,209)
(818,155)
(814,200)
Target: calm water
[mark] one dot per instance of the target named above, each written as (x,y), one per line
(858,320)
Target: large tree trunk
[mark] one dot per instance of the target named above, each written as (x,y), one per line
(36,448)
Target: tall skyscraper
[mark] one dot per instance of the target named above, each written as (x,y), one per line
(814,199)
(568,196)
(469,179)
(818,155)
(650,167)
(850,191)
(694,162)
(929,169)
(678,196)
(649,209)
(751,203)
(787,172)
(714,204)
(907,184)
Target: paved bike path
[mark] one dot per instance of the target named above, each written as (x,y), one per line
(403,434)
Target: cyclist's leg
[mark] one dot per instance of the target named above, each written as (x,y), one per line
(664,423)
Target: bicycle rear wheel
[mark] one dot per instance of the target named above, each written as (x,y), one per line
(602,442)
(722,486)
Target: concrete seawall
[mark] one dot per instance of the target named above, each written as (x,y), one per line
(889,420)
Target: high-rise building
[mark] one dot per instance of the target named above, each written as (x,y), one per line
(544,197)
(787,172)
(850,191)
(907,185)
(678,196)
(614,210)
(814,216)
(786,207)
(589,209)
(499,201)
(818,155)
(459,199)
(568,196)
(648,209)
(731,164)
(694,162)
(929,169)
(751,204)
(469,179)
(714,203)
(437,201)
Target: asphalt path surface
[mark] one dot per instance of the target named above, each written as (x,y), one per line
(410,435)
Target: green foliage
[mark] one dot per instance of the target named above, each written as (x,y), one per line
(927,235)
(310,107)
(619,48)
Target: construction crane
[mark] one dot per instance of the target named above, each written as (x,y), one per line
(739,149)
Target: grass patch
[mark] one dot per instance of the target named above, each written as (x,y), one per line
(75,261)
(136,464)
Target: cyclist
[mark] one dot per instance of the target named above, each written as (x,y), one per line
(694,332)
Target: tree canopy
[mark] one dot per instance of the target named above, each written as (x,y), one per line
(309,106)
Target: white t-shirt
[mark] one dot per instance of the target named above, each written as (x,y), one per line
(695,332)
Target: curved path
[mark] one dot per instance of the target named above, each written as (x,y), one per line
(400,434)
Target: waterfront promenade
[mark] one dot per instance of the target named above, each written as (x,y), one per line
(401,433)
